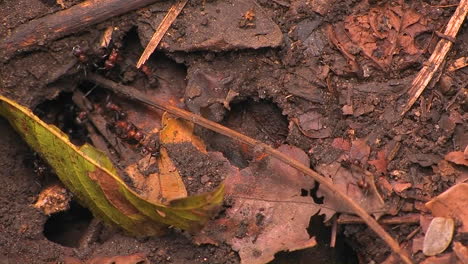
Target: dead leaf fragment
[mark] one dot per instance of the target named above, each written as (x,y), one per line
(401,186)
(458,64)
(340,143)
(448,258)
(457,157)
(438,236)
(381,162)
(53,199)
(461,251)
(264,196)
(356,183)
(381,34)
(452,203)
(425,160)
(359,151)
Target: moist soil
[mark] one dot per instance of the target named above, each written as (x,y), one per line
(267,69)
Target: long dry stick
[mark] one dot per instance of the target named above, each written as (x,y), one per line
(39,31)
(134,94)
(432,65)
(167,21)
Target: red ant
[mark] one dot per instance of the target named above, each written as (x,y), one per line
(127,131)
(362,182)
(81,118)
(80,54)
(111,60)
(119,114)
(152,148)
(132,135)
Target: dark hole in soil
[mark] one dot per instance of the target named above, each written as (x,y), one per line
(63,113)
(322,253)
(261,120)
(67,228)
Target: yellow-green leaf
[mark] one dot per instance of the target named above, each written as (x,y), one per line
(90,175)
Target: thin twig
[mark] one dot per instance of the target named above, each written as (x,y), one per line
(167,21)
(396,220)
(134,94)
(438,56)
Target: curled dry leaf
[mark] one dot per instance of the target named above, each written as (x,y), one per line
(452,203)
(438,236)
(263,196)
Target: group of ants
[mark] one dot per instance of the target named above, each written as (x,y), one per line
(119,124)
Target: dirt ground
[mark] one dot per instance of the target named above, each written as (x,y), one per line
(282,72)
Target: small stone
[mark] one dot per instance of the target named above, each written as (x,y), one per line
(204,179)
(438,236)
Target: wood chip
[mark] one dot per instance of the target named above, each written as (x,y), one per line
(438,56)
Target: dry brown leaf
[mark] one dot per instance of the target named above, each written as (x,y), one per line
(264,197)
(438,236)
(381,33)
(452,203)
(461,251)
(448,171)
(381,162)
(401,186)
(359,151)
(448,258)
(356,183)
(417,244)
(457,157)
(340,143)
(165,184)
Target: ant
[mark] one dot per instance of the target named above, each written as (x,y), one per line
(119,114)
(128,131)
(362,182)
(111,59)
(80,54)
(81,117)
(152,148)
